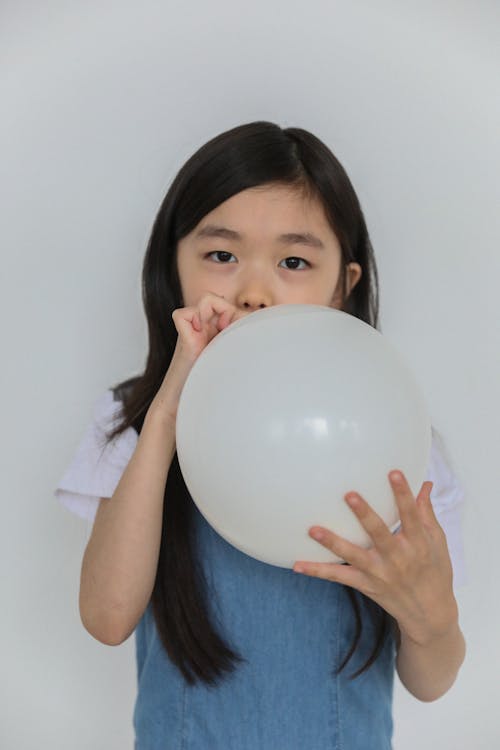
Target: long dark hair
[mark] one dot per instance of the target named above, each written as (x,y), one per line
(255,154)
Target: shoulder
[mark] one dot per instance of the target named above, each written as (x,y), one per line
(447,497)
(447,489)
(97,463)
(107,408)
(107,414)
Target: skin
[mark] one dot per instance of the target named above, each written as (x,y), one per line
(257,274)
(409,573)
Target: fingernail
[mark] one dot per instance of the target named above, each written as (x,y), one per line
(352,500)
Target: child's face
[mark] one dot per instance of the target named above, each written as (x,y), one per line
(258,269)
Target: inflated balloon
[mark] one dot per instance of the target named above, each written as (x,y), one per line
(284,412)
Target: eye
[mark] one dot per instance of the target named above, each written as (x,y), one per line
(300,260)
(219,252)
(292,258)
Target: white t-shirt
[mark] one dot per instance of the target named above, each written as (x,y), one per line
(96,468)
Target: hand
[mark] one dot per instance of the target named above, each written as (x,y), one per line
(199,324)
(196,326)
(409,573)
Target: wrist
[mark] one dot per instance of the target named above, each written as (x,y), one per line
(166,401)
(433,632)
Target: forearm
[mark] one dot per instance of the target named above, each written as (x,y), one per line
(428,670)
(121,558)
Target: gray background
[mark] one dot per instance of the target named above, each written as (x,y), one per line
(101,104)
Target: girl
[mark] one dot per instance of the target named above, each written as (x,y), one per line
(231,652)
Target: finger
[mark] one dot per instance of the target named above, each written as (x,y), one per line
(206,309)
(335,572)
(225,319)
(410,519)
(373,524)
(211,306)
(351,553)
(186,320)
(424,503)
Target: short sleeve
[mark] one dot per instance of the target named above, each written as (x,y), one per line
(97,465)
(447,498)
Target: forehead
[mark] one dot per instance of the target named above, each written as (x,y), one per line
(269,209)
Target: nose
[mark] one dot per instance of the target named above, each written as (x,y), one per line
(248,302)
(246,309)
(253,293)
(250,307)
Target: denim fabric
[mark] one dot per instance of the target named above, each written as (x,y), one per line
(293,631)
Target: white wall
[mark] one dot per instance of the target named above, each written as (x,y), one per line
(102,102)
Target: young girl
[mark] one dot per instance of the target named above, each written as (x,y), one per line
(231,652)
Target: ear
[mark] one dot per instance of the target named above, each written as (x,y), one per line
(352,276)
(354,273)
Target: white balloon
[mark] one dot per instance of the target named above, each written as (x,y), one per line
(283,413)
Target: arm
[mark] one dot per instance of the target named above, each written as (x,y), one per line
(121,558)
(429,669)
(410,575)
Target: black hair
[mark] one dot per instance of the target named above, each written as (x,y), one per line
(255,154)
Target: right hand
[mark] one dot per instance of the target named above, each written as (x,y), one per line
(196,326)
(200,324)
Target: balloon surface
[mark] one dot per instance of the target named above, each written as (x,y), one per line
(284,412)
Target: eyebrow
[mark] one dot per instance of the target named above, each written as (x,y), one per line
(291,238)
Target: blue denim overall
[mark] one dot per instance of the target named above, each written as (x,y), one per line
(293,630)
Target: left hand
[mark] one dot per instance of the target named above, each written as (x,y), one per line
(409,573)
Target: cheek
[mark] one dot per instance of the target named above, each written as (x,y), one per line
(190,282)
